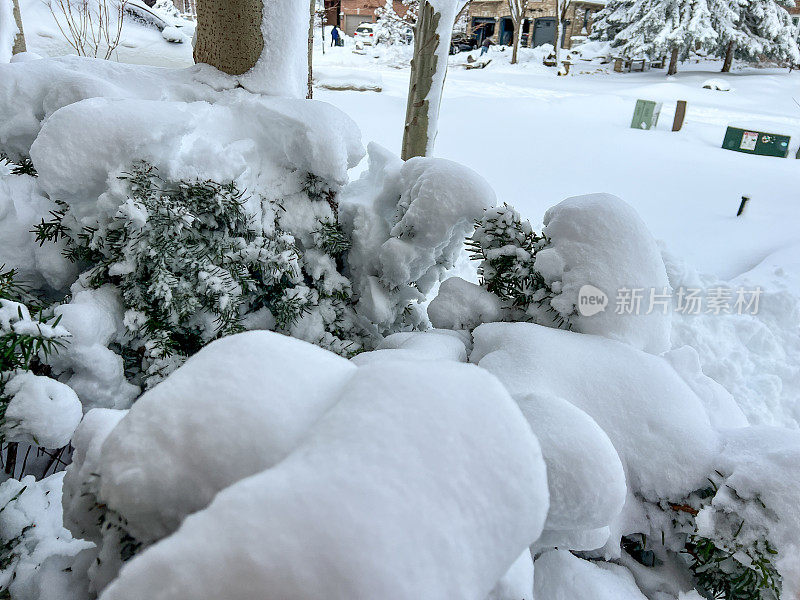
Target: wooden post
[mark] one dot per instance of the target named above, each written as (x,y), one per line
(745,200)
(680,114)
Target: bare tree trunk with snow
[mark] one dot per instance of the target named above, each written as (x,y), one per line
(517,9)
(726,66)
(19,39)
(673,62)
(312,15)
(423,69)
(229,34)
(561,16)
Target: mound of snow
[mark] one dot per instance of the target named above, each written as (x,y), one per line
(716,84)
(517,583)
(22,207)
(255,394)
(242,137)
(174,35)
(41,412)
(561,576)
(408,221)
(348,79)
(656,423)
(461,304)
(94,318)
(756,357)
(434,344)
(423,481)
(83,513)
(37,550)
(584,473)
(31,91)
(598,240)
(762,468)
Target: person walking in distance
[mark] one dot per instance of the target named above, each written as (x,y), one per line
(334,36)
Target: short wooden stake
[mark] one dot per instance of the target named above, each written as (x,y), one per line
(680,114)
(745,200)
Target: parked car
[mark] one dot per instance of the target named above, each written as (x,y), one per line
(366,34)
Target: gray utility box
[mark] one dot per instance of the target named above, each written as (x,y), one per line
(645,115)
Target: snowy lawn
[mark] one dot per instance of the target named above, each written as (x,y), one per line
(538,139)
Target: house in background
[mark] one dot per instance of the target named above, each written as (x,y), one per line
(349,14)
(492,19)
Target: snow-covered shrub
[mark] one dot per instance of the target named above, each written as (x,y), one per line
(595,242)
(192,265)
(423,511)
(407,222)
(506,246)
(34,409)
(36,552)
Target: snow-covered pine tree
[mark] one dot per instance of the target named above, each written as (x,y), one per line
(611,20)
(659,27)
(753,30)
(394,28)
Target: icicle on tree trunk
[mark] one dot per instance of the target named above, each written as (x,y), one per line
(19,39)
(517,9)
(726,66)
(311,17)
(261,42)
(673,62)
(428,69)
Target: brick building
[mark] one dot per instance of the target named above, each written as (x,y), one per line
(349,14)
(492,18)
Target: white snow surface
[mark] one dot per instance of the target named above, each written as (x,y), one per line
(584,472)
(256,394)
(599,240)
(282,68)
(762,464)
(632,395)
(560,575)
(41,412)
(22,206)
(94,319)
(428,488)
(8,30)
(517,583)
(408,221)
(434,344)
(461,304)
(36,564)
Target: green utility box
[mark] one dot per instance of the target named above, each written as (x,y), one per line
(756,142)
(645,115)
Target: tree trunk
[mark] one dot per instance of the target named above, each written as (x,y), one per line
(673,62)
(517,36)
(312,13)
(19,40)
(557,41)
(229,34)
(423,69)
(726,66)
